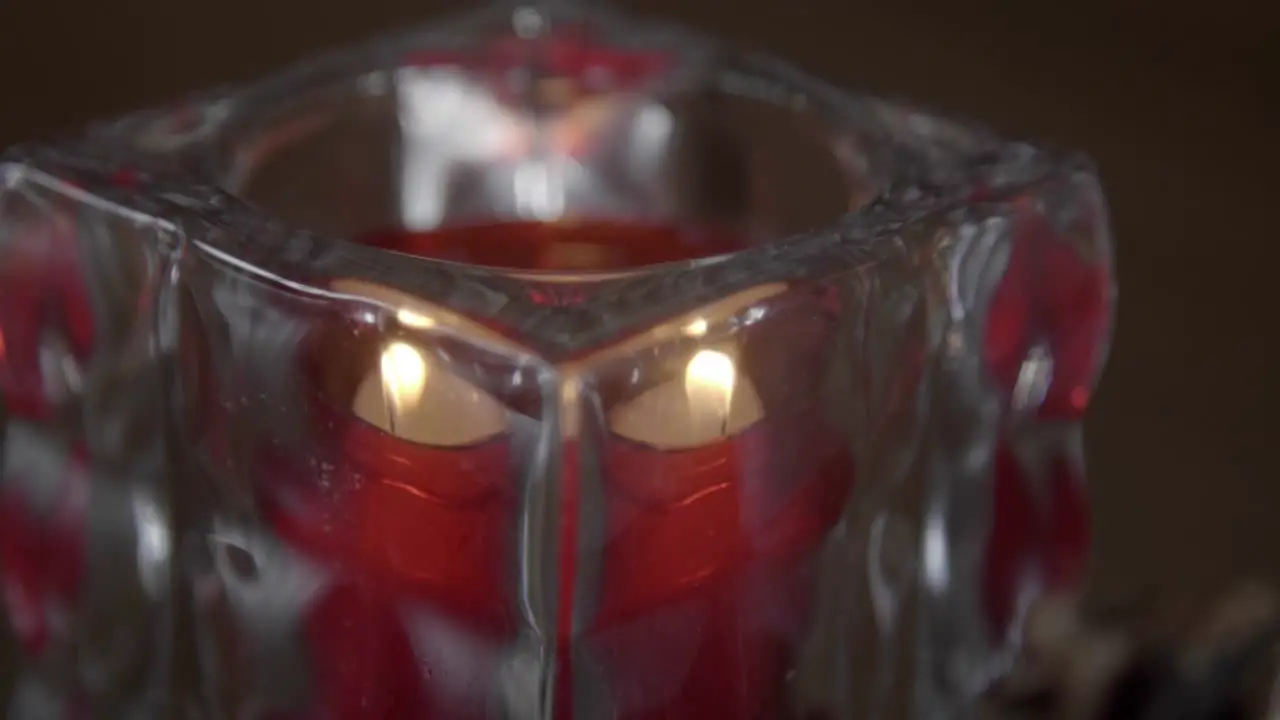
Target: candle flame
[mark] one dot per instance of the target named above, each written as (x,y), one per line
(414,319)
(404,376)
(696,328)
(709,382)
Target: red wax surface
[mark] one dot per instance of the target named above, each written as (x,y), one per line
(565,246)
(404,529)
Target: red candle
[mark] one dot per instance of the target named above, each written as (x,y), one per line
(414,523)
(706,572)
(712,525)
(703,574)
(718,533)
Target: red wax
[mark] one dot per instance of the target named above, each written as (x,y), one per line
(405,530)
(723,543)
(702,587)
(706,574)
(420,519)
(703,579)
(564,246)
(703,583)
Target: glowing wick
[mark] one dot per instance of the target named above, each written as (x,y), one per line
(709,382)
(404,375)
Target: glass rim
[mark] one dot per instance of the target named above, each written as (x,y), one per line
(921,165)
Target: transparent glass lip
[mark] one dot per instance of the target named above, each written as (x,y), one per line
(372,75)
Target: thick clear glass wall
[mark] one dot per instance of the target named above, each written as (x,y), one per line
(538,364)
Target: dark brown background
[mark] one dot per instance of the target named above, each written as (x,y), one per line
(1179,107)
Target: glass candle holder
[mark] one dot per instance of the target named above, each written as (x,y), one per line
(539,363)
